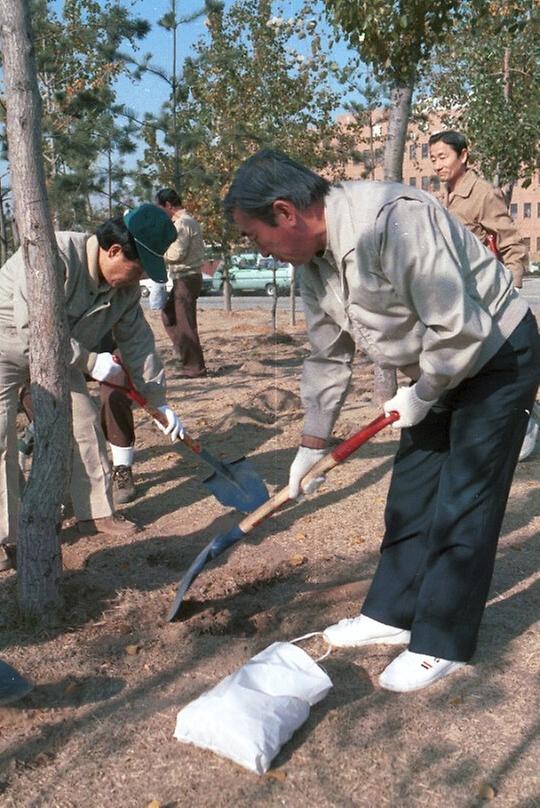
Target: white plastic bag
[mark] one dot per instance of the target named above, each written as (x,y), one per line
(250,714)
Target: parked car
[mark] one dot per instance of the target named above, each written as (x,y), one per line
(254,273)
(206,285)
(146,286)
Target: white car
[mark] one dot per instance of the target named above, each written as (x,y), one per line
(146,286)
(165,288)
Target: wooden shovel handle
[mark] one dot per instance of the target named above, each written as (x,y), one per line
(329,461)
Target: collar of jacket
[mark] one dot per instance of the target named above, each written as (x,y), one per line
(466,184)
(92,260)
(340,233)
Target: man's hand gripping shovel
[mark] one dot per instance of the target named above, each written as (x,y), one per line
(234,484)
(322,467)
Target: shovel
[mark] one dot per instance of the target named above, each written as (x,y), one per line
(220,543)
(234,484)
(13,686)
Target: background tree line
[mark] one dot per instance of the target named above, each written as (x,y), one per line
(262,78)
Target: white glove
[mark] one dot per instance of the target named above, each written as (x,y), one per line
(304,460)
(175,427)
(106,369)
(411,409)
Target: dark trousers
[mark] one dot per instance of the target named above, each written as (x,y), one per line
(116,416)
(179,317)
(448,493)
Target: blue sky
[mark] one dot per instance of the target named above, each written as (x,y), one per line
(151,92)
(148,94)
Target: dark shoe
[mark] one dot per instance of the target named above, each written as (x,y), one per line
(8,557)
(122,485)
(114,525)
(200,375)
(13,686)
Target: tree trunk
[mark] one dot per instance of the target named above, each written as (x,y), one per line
(385,381)
(226,283)
(38,551)
(274,299)
(292,297)
(109,181)
(3,229)
(506,188)
(398,121)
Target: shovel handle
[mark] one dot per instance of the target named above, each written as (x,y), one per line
(342,452)
(329,461)
(131,392)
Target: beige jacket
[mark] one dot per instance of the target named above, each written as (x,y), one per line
(93,309)
(407,282)
(482,209)
(186,254)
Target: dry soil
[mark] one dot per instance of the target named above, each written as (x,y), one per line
(97,729)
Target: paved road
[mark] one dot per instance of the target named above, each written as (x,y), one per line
(531,290)
(247,302)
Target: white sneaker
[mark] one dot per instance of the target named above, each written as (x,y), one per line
(411,671)
(529,441)
(363,630)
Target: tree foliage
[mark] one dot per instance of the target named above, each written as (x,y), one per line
(488,87)
(395,38)
(78,59)
(246,87)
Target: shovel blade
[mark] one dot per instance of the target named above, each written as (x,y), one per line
(13,686)
(237,485)
(211,551)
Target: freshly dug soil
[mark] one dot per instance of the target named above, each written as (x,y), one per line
(97,729)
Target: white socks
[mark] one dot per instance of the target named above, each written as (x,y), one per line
(122,455)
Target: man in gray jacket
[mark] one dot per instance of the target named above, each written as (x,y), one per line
(102,274)
(385,267)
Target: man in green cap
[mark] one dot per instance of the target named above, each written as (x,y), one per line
(102,274)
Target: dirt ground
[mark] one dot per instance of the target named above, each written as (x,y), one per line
(98,728)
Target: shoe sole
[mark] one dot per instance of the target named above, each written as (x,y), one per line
(403,638)
(95,532)
(419,686)
(123,499)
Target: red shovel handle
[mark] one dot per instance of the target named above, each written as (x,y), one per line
(342,452)
(130,391)
(326,463)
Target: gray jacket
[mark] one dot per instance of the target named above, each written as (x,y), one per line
(93,309)
(404,280)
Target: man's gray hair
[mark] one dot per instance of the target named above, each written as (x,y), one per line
(269,175)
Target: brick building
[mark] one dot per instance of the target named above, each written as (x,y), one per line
(417,171)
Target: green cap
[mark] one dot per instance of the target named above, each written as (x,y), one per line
(153,233)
